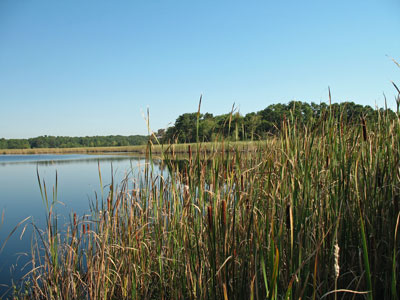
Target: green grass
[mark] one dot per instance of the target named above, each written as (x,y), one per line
(250,223)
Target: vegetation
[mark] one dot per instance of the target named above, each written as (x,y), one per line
(253,126)
(260,125)
(72,142)
(141,149)
(311,213)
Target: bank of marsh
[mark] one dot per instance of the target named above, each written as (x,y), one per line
(312,213)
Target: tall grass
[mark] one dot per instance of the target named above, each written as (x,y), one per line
(263,223)
(138,150)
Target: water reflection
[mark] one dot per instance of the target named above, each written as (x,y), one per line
(51,159)
(78,183)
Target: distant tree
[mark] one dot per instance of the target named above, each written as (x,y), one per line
(3,143)
(206,128)
(185,127)
(252,122)
(254,125)
(160,134)
(18,144)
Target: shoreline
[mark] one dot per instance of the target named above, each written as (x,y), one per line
(142,149)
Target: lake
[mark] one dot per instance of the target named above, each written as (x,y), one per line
(78,182)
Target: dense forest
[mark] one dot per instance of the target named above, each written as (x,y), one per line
(72,142)
(258,125)
(234,126)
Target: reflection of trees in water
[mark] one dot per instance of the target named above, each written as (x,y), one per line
(82,160)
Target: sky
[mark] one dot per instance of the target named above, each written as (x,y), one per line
(94,67)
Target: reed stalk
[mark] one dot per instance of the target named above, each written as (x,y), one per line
(262,223)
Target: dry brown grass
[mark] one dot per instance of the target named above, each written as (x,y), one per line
(141,149)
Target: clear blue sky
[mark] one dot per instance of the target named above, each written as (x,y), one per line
(82,68)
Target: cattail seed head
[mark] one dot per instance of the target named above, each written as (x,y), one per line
(109,203)
(75,219)
(210,216)
(83,228)
(186,191)
(336,255)
(223,213)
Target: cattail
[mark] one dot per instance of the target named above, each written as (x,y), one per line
(190,153)
(83,228)
(364,128)
(186,191)
(336,255)
(242,182)
(187,176)
(109,203)
(74,219)
(396,201)
(209,214)
(341,127)
(223,213)
(87,228)
(288,217)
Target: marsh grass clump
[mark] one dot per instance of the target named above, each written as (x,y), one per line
(267,222)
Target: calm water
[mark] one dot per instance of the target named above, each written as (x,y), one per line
(78,180)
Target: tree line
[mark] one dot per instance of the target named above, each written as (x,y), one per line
(206,127)
(73,142)
(259,125)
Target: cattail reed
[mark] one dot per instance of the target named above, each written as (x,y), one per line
(109,203)
(364,128)
(223,213)
(186,192)
(210,216)
(336,265)
(288,217)
(341,127)
(161,241)
(336,257)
